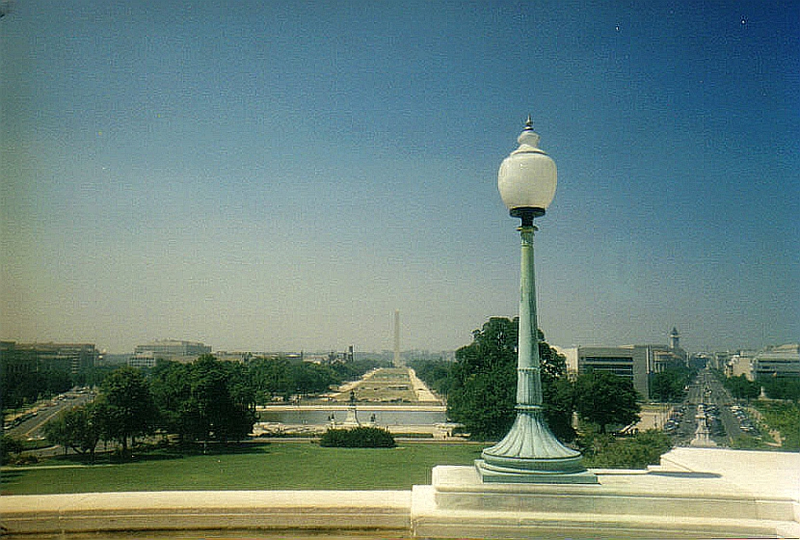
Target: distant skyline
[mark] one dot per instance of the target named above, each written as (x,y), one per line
(285,175)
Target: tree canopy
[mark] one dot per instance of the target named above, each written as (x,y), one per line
(205,400)
(126,406)
(669,385)
(79,428)
(483,390)
(742,388)
(606,399)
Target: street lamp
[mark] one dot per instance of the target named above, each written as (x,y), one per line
(529,453)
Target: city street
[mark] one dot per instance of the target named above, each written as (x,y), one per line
(35,418)
(724,424)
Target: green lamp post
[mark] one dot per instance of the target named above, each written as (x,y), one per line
(529,453)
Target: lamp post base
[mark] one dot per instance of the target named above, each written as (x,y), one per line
(492,474)
(530,453)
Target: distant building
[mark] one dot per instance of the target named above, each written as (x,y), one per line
(634,362)
(16,361)
(145,359)
(781,361)
(700,361)
(674,339)
(738,364)
(167,349)
(73,358)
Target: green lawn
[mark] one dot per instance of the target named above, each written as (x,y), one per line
(290,465)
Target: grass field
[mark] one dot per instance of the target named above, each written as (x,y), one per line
(273,466)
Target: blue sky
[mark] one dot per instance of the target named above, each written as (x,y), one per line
(284,175)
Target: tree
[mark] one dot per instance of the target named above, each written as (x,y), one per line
(17,389)
(668,386)
(222,399)
(353,369)
(78,428)
(205,400)
(312,378)
(484,404)
(127,405)
(781,387)
(484,381)
(606,399)
(437,374)
(9,445)
(742,388)
(170,387)
(283,377)
(270,377)
(636,452)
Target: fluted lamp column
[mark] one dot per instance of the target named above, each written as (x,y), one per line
(529,453)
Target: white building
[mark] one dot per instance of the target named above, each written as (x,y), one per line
(167,349)
(740,364)
(781,361)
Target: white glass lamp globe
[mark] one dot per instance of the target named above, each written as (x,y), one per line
(527,177)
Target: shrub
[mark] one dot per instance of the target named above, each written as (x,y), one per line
(9,446)
(637,452)
(360,437)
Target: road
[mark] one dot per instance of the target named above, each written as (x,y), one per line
(710,392)
(721,397)
(31,428)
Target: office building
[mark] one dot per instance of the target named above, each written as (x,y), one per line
(168,349)
(634,362)
(73,358)
(781,361)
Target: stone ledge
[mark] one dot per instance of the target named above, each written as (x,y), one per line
(219,510)
(694,493)
(428,521)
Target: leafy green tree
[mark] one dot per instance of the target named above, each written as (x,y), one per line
(668,386)
(19,389)
(559,406)
(636,452)
(783,416)
(170,386)
(484,404)
(742,388)
(282,377)
(79,428)
(436,374)
(484,380)
(353,370)
(606,399)
(270,377)
(205,400)
(127,405)
(8,446)
(781,387)
(310,378)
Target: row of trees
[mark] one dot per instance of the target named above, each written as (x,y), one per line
(206,400)
(781,388)
(669,386)
(19,389)
(741,387)
(481,386)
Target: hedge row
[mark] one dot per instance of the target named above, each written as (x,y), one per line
(360,437)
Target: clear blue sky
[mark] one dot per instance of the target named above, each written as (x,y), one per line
(284,175)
